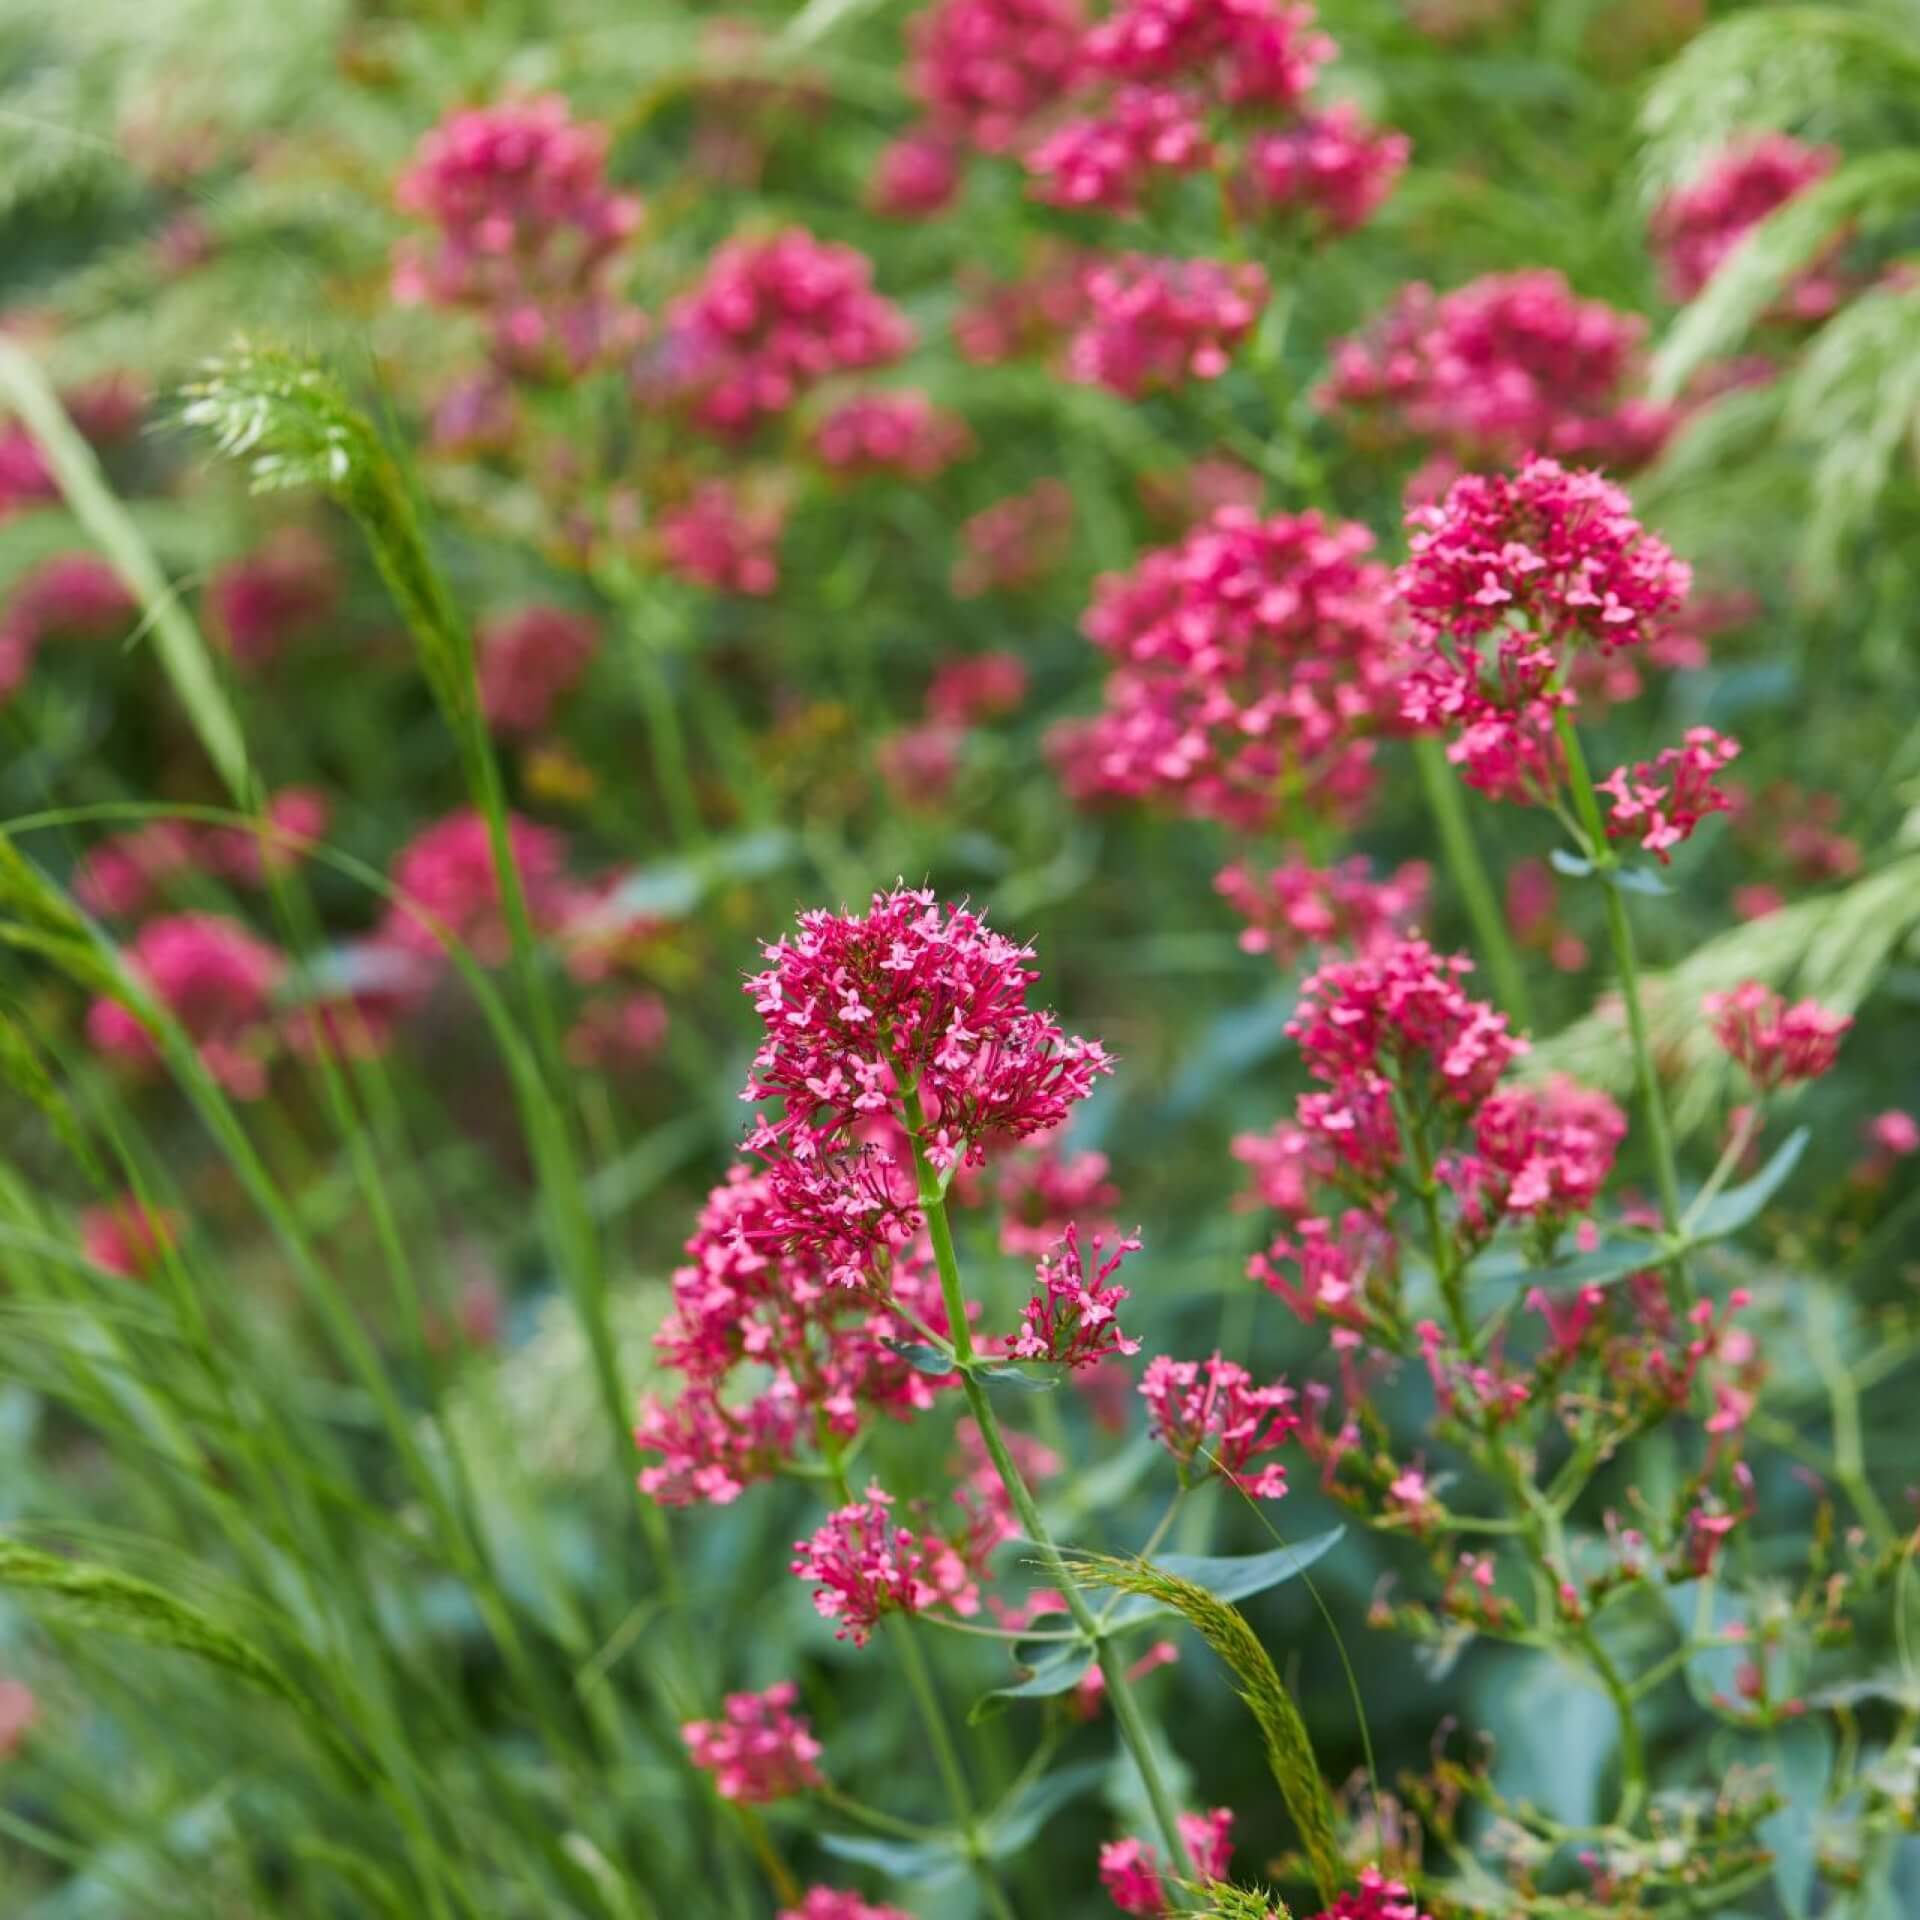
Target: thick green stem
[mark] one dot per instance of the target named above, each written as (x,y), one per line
(1126,1709)
(1470,880)
(1653,1105)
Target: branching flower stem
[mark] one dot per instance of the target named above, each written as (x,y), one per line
(1127,1713)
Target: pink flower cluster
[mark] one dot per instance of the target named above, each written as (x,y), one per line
(1539,1153)
(976,686)
(105,411)
(1156,323)
(759,1750)
(527,225)
(1659,802)
(1376,1898)
(71,596)
(1130,1868)
(1296,909)
(1775,1042)
(984,70)
(770,319)
(127,873)
(528,661)
(1695,228)
(1015,543)
(1042,1192)
(902,434)
(770,1348)
(832,1903)
(1540,564)
(1505,366)
(217,981)
(1252,660)
(284,591)
(722,540)
(1331,167)
(920,763)
(865,1567)
(915,176)
(1071,1318)
(1211,1417)
(1249,53)
(1107,162)
(910,999)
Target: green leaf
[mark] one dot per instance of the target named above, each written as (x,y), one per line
(1021,1377)
(926,1359)
(1240,1576)
(1574,865)
(1636,880)
(1009,1832)
(1728,1212)
(1060,1672)
(922,1863)
(1611,1260)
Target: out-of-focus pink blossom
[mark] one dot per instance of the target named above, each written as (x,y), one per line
(916,176)
(70,596)
(1332,167)
(720,539)
(1696,228)
(1250,53)
(1015,543)
(296,818)
(126,872)
(1890,1137)
(1008,320)
(284,591)
(865,1567)
(530,659)
(1297,909)
(19,1713)
(217,980)
(759,1750)
(128,1238)
(920,764)
(900,433)
(984,70)
(619,1034)
(1775,1042)
(1109,162)
(1157,323)
(447,872)
(1043,1192)
(833,1903)
(976,687)
(769,319)
(1376,1898)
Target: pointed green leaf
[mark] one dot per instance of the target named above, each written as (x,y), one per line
(1060,1672)
(1728,1212)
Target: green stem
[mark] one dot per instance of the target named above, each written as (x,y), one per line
(1626,963)
(1470,881)
(1126,1709)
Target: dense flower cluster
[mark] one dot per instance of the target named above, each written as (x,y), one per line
(916,175)
(1130,1868)
(865,1567)
(1211,1417)
(769,1347)
(1153,323)
(527,224)
(832,1903)
(975,687)
(528,661)
(126,874)
(1016,542)
(1539,566)
(1775,1042)
(759,1750)
(1253,658)
(1249,53)
(1696,227)
(984,70)
(1071,1318)
(1659,802)
(770,319)
(890,433)
(1376,1898)
(1107,163)
(446,872)
(217,981)
(1295,909)
(1503,367)
(1540,1153)
(723,540)
(1331,166)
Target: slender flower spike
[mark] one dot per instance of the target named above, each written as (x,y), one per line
(1776,1043)
(1208,1414)
(1070,1319)
(864,1567)
(908,998)
(759,1750)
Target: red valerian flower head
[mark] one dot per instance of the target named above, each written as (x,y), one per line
(915,176)
(1044,1191)
(1332,167)
(1248,52)
(1540,1153)
(975,687)
(770,319)
(69,596)
(1130,1868)
(760,1750)
(217,980)
(284,591)
(1659,802)
(1776,1043)
(447,872)
(1015,543)
(723,540)
(128,1238)
(1376,1898)
(528,660)
(1157,323)
(1695,228)
(833,1903)
(864,1567)
(986,69)
(1297,909)
(1109,162)
(1070,1319)
(1211,1417)
(126,872)
(1320,1267)
(862,1009)
(890,433)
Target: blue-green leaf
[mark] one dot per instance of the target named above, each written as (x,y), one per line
(1008,1832)
(1730,1211)
(1019,1377)
(926,1359)
(1059,1672)
(924,1863)
(1234,1576)
(1637,880)
(1575,866)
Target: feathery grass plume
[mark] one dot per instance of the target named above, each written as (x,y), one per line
(1289,1751)
(293,426)
(1768,69)
(1226,1902)
(1863,193)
